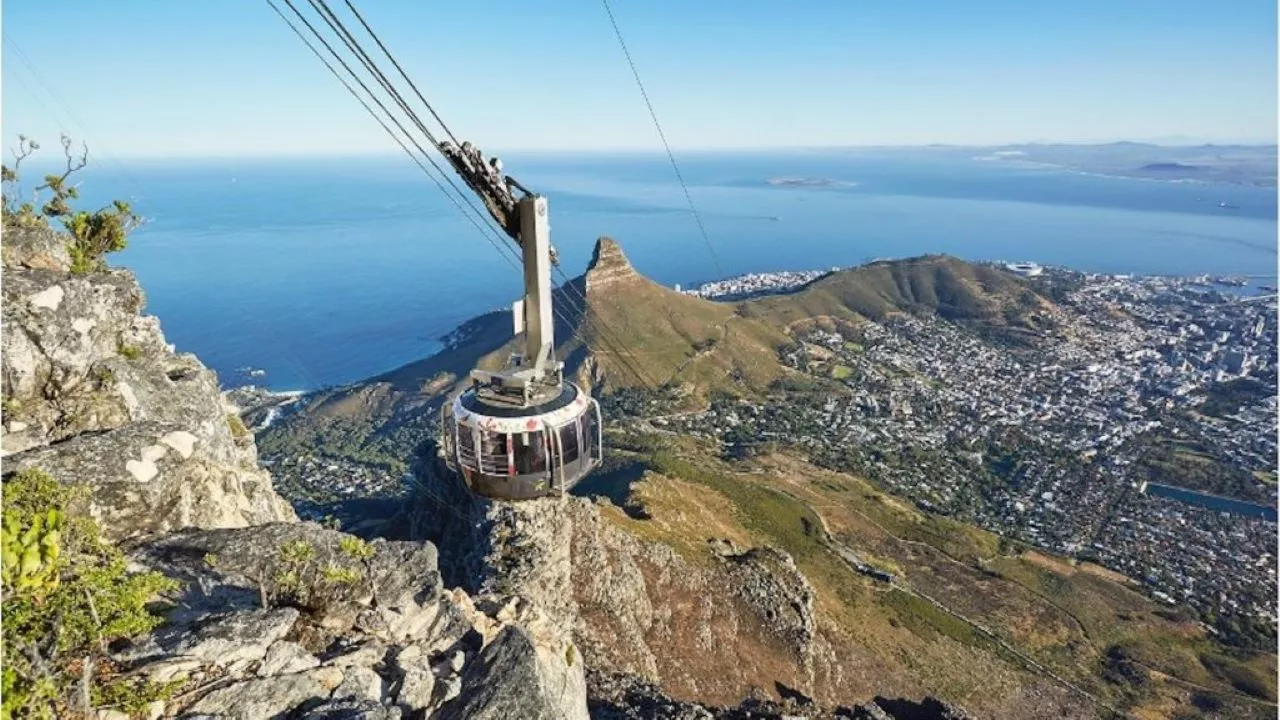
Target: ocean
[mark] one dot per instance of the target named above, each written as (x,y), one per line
(321,272)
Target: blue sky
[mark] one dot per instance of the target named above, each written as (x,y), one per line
(172,77)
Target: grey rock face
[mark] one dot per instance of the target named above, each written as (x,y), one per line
(148,478)
(769,581)
(256,560)
(388,641)
(35,248)
(361,683)
(528,553)
(285,657)
(235,637)
(516,678)
(95,395)
(269,697)
(354,709)
(414,678)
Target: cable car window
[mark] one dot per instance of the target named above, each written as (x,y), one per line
(569,442)
(448,441)
(530,453)
(590,433)
(493,452)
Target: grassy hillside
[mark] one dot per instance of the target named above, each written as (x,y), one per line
(932,284)
(674,338)
(1085,624)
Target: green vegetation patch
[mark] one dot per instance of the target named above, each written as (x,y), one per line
(91,235)
(236,426)
(129,352)
(786,521)
(67,595)
(926,620)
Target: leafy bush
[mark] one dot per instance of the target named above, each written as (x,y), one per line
(67,596)
(93,234)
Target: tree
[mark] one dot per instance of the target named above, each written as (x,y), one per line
(92,234)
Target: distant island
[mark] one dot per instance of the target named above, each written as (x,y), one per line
(804,182)
(1169,166)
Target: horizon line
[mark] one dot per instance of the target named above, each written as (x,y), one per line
(371,153)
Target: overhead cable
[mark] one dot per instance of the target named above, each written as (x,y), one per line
(697,217)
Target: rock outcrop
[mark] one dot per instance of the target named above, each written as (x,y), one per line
(609,265)
(637,608)
(95,395)
(297,620)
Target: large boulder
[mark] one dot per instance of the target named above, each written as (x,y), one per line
(269,697)
(148,478)
(520,676)
(94,395)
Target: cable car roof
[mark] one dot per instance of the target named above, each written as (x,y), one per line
(480,416)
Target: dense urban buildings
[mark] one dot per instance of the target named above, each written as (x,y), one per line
(1065,438)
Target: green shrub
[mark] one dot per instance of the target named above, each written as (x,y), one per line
(95,234)
(355,548)
(67,595)
(129,352)
(339,575)
(92,234)
(300,580)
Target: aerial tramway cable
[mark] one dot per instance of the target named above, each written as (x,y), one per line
(568,290)
(375,116)
(697,217)
(484,227)
(399,69)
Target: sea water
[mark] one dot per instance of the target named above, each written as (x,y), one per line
(325,271)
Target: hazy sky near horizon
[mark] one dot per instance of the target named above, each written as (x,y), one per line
(165,77)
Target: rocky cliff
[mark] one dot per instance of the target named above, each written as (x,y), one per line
(295,620)
(94,395)
(738,634)
(271,618)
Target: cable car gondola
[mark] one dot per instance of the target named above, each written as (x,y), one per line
(522,432)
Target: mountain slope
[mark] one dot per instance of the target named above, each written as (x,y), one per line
(933,284)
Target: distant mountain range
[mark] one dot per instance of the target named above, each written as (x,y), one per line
(1235,164)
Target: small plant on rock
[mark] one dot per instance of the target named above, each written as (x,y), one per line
(355,548)
(67,594)
(236,425)
(339,575)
